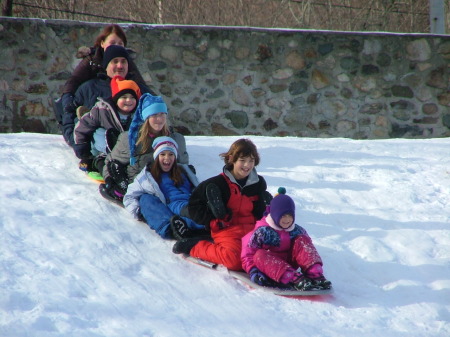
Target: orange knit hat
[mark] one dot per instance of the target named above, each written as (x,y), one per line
(121,86)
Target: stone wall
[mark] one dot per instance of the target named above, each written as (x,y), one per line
(238,80)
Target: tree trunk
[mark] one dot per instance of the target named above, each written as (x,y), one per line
(7,8)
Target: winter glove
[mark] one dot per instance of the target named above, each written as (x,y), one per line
(111,136)
(118,172)
(192,168)
(290,276)
(267,197)
(258,277)
(140,217)
(85,165)
(68,103)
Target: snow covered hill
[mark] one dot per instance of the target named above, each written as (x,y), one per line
(72,264)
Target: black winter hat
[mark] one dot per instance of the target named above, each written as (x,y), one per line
(114,51)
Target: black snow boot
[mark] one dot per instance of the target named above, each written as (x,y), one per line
(215,202)
(184,246)
(180,229)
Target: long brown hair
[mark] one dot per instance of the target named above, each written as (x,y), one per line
(240,148)
(108,30)
(175,172)
(144,140)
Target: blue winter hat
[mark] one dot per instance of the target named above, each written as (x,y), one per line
(144,110)
(112,52)
(154,109)
(281,205)
(161,144)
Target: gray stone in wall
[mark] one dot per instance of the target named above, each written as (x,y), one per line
(418,50)
(238,118)
(446,120)
(298,87)
(402,91)
(408,131)
(349,63)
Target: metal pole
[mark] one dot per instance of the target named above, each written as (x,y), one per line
(160,16)
(437,17)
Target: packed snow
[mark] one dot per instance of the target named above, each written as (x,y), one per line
(378,211)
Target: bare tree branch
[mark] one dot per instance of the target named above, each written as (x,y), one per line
(372,15)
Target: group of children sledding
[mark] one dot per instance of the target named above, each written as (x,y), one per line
(229,219)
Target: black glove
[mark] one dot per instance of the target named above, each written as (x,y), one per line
(192,168)
(267,197)
(111,136)
(119,174)
(69,105)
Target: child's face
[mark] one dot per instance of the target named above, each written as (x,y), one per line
(286,221)
(126,103)
(166,160)
(242,167)
(157,121)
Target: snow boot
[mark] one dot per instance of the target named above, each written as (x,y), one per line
(184,246)
(321,283)
(180,229)
(99,162)
(110,194)
(215,202)
(315,274)
(303,283)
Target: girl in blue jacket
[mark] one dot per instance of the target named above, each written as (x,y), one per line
(172,183)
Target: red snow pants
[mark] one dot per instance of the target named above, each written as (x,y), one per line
(226,249)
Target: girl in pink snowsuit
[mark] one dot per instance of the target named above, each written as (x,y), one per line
(277,247)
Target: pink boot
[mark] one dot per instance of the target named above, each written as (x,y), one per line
(315,274)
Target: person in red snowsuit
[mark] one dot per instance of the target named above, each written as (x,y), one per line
(229,204)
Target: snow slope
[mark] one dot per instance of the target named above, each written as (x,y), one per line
(72,264)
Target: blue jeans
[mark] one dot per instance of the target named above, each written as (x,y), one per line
(157,215)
